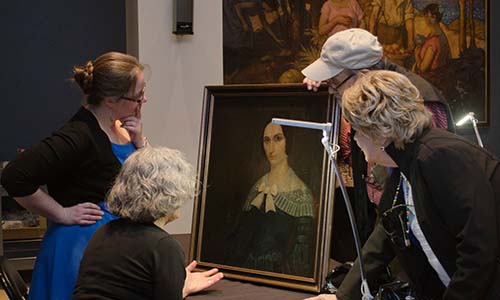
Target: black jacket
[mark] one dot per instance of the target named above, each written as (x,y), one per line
(456,191)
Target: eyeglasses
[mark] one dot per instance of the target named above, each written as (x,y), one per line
(138,100)
(396,225)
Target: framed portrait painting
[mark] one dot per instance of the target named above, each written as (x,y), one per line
(264,207)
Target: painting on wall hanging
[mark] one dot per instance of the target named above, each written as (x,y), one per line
(264,209)
(444,41)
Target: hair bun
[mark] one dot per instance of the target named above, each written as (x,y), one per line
(83,75)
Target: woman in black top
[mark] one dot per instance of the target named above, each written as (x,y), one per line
(78,163)
(132,257)
(439,218)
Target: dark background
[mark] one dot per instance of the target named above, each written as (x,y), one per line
(41,42)
(490,135)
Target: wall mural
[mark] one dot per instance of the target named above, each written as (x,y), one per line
(445,41)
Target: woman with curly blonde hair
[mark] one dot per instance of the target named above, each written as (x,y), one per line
(384,105)
(438,213)
(133,257)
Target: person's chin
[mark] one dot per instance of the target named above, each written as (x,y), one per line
(274,161)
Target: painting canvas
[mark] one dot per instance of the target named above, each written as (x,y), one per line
(262,213)
(445,41)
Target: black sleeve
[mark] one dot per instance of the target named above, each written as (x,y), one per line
(47,161)
(169,273)
(464,199)
(377,254)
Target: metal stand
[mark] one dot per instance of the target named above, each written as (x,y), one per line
(332,149)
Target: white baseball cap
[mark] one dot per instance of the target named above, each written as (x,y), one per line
(352,49)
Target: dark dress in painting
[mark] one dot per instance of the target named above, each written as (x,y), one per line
(276,232)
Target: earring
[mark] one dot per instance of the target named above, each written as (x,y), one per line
(382,148)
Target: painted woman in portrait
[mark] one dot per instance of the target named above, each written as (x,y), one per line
(275,232)
(434,54)
(338,15)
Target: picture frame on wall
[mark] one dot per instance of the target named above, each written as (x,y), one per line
(264,208)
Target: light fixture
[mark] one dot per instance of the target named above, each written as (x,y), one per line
(471,117)
(332,149)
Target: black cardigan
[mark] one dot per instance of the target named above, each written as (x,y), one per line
(456,190)
(129,260)
(77,163)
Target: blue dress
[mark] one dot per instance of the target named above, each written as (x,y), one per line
(54,279)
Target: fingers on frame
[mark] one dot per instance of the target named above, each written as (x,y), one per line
(191,266)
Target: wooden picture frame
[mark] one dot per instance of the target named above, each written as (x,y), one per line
(250,221)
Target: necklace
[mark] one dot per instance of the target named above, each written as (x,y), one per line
(397,190)
(401,213)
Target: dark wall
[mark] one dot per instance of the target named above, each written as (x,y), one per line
(491,135)
(41,42)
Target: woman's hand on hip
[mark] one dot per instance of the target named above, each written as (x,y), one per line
(43,204)
(81,214)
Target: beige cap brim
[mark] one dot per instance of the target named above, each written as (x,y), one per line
(319,70)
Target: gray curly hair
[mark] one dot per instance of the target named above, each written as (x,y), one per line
(386,105)
(153,183)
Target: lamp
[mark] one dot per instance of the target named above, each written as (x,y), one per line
(332,149)
(471,117)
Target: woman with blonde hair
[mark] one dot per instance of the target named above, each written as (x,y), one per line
(439,211)
(133,257)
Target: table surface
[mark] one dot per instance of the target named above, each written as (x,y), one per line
(238,290)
